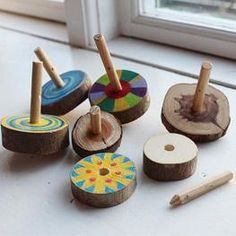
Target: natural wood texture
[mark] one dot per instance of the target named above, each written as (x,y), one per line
(107,62)
(199,96)
(51,70)
(204,187)
(95,120)
(35,105)
(205,126)
(85,142)
(108,179)
(128,104)
(67,98)
(35,133)
(32,142)
(169,157)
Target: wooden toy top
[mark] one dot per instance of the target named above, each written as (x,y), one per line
(72,81)
(103,173)
(134,88)
(46,124)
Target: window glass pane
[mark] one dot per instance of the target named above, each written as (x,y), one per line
(220,13)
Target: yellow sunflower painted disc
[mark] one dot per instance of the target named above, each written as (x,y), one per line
(103,173)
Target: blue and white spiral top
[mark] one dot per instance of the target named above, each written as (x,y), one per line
(72,79)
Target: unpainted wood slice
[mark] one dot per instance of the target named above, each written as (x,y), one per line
(86,143)
(205,126)
(49,136)
(126,105)
(103,180)
(59,101)
(169,157)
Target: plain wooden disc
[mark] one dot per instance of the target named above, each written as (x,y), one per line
(59,101)
(169,157)
(86,143)
(103,180)
(208,125)
(49,136)
(126,105)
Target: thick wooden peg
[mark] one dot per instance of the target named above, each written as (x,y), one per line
(35,107)
(51,70)
(199,96)
(96,121)
(106,58)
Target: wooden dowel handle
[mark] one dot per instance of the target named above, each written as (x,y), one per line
(35,106)
(201,87)
(95,118)
(106,59)
(202,188)
(51,70)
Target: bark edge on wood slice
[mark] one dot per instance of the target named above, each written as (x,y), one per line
(86,143)
(206,126)
(59,101)
(169,157)
(126,105)
(108,179)
(49,136)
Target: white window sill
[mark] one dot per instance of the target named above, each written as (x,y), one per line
(34,26)
(172,59)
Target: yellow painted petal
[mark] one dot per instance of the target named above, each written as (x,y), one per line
(120,105)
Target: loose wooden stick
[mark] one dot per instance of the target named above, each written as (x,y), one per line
(35,106)
(205,187)
(106,58)
(201,87)
(51,70)
(95,116)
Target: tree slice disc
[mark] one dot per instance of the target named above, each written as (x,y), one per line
(59,101)
(128,104)
(86,143)
(103,180)
(208,125)
(169,157)
(49,136)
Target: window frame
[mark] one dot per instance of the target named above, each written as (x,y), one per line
(195,37)
(51,10)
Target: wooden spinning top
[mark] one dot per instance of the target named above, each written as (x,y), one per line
(103,179)
(169,157)
(64,92)
(120,92)
(35,134)
(200,112)
(96,132)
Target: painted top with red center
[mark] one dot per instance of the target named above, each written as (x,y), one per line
(134,88)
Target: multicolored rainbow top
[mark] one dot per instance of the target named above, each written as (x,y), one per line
(21,123)
(134,88)
(103,173)
(73,80)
